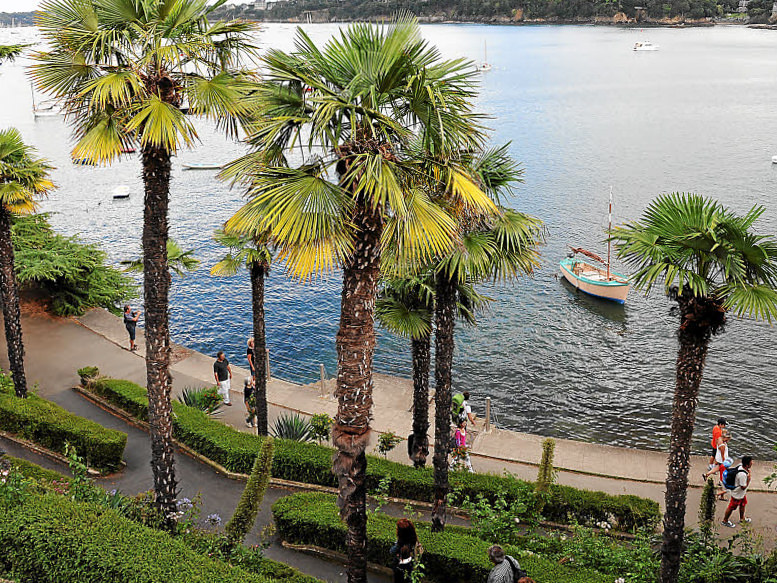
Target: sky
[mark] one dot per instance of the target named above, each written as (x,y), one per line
(27,5)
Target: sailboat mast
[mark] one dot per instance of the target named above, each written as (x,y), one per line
(609,229)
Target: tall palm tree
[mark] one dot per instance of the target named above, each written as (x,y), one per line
(125,72)
(352,108)
(23,176)
(255,254)
(710,262)
(405,306)
(493,248)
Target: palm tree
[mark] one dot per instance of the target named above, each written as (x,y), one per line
(255,254)
(10,52)
(353,107)
(125,72)
(710,262)
(178,261)
(493,248)
(23,176)
(405,306)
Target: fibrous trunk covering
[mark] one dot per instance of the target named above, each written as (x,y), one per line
(156,286)
(355,347)
(258,272)
(445,308)
(699,318)
(421,360)
(11,312)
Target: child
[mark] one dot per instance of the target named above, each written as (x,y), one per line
(460,454)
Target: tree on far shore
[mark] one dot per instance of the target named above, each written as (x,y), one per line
(709,261)
(127,73)
(23,177)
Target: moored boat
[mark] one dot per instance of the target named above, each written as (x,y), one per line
(202,166)
(774,159)
(645,46)
(121,192)
(593,279)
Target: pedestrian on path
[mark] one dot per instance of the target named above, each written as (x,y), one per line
(461,410)
(506,568)
(739,493)
(223,374)
(722,461)
(460,453)
(717,431)
(250,355)
(249,398)
(405,551)
(130,321)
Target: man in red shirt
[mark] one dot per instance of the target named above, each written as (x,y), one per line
(717,433)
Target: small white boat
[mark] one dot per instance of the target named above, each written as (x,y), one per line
(485,65)
(121,192)
(774,159)
(645,46)
(203,166)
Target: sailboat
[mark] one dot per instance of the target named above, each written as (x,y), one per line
(44,108)
(595,277)
(484,66)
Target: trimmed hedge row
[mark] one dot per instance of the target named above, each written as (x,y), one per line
(453,555)
(312,464)
(51,539)
(34,471)
(51,426)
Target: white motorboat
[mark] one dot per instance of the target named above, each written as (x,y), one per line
(774,159)
(121,192)
(645,46)
(203,166)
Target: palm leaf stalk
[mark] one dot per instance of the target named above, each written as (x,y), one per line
(708,260)
(253,253)
(351,110)
(498,248)
(23,177)
(180,262)
(126,71)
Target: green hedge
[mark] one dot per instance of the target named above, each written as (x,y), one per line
(312,464)
(51,539)
(34,471)
(51,426)
(453,555)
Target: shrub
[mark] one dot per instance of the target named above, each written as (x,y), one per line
(88,373)
(453,555)
(546,474)
(312,464)
(205,399)
(51,426)
(321,426)
(245,514)
(387,442)
(50,539)
(292,427)
(34,471)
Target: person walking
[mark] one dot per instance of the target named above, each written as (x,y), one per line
(250,355)
(717,430)
(506,568)
(223,374)
(468,414)
(405,551)
(739,493)
(250,400)
(722,461)
(460,453)
(130,321)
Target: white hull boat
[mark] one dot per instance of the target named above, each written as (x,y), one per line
(203,166)
(645,46)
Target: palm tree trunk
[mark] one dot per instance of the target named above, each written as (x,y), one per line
(445,309)
(421,359)
(355,347)
(694,338)
(11,313)
(258,272)
(156,286)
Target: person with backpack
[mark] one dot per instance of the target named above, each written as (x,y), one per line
(461,409)
(506,568)
(737,479)
(722,461)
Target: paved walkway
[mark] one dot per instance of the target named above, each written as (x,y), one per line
(56,348)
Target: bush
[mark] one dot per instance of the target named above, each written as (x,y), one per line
(50,539)
(453,555)
(292,427)
(312,464)
(205,399)
(34,471)
(88,373)
(51,426)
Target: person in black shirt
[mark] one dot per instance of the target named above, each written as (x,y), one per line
(250,355)
(223,374)
(130,321)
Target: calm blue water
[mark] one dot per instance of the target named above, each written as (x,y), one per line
(583,112)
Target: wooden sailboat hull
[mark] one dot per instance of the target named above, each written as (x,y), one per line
(591,279)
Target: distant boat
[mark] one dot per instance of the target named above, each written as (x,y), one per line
(774,159)
(596,280)
(121,192)
(484,66)
(44,108)
(84,162)
(128,150)
(203,166)
(645,46)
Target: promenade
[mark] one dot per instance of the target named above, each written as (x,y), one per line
(57,347)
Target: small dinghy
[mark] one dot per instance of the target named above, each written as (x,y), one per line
(203,166)
(121,192)
(774,159)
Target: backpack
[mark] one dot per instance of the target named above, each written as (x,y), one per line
(730,477)
(517,571)
(457,407)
